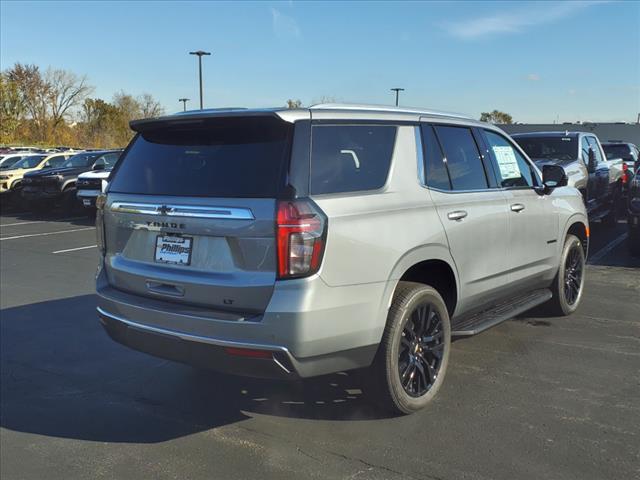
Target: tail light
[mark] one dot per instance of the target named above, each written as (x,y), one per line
(301,234)
(625,173)
(101,200)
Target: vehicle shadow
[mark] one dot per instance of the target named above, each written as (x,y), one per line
(76,217)
(62,376)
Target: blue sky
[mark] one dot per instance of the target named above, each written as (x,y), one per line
(539,61)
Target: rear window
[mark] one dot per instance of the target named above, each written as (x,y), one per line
(553,148)
(350,158)
(617,151)
(232,157)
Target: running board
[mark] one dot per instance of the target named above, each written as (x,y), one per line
(479,322)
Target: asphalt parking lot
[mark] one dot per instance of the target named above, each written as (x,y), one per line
(535,397)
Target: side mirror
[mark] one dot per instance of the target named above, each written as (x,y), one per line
(553,176)
(98,166)
(591,167)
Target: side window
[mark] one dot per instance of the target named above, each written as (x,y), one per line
(462,157)
(584,147)
(350,158)
(435,171)
(596,150)
(513,170)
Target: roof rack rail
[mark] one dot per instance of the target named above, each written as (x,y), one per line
(386,108)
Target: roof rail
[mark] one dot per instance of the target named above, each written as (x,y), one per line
(385,108)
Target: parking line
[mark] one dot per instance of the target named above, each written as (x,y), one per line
(40,221)
(21,223)
(47,233)
(607,248)
(74,249)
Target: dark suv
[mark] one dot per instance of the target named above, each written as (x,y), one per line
(44,189)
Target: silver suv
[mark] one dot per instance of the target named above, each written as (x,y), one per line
(295,243)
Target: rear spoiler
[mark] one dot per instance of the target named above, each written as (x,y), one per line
(198,117)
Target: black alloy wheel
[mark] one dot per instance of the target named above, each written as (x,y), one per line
(574,268)
(421,350)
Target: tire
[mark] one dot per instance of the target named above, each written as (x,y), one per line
(611,218)
(413,303)
(69,202)
(565,299)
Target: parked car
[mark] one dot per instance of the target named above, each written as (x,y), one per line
(629,154)
(44,189)
(90,184)
(295,243)
(598,179)
(11,179)
(633,219)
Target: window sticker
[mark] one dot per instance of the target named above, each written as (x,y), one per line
(506,162)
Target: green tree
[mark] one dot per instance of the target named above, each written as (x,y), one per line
(12,108)
(33,92)
(496,117)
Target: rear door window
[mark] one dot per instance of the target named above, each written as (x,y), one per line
(231,157)
(436,175)
(350,158)
(511,167)
(465,166)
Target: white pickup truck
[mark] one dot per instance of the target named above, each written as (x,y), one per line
(581,155)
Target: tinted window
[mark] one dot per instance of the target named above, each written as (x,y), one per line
(584,149)
(29,162)
(80,160)
(554,148)
(435,169)
(593,143)
(350,158)
(512,169)
(8,162)
(463,158)
(232,157)
(108,159)
(56,161)
(619,150)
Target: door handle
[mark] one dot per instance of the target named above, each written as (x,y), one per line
(517,207)
(457,215)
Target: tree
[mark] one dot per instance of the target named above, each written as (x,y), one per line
(496,117)
(65,90)
(294,103)
(33,92)
(12,108)
(149,106)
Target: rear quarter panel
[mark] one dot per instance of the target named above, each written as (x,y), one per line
(374,237)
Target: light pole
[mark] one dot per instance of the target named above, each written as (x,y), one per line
(200,53)
(397,90)
(184,103)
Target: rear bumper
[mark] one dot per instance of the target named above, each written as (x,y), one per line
(199,351)
(87,197)
(303,342)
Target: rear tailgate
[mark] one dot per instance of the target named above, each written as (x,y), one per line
(190,214)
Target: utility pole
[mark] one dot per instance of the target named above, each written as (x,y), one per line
(200,53)
(184,103)
(397,90)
